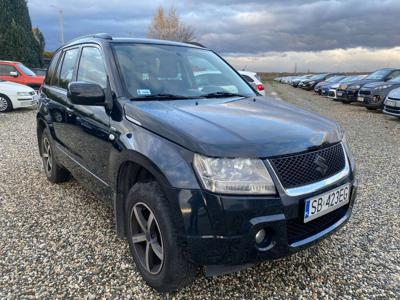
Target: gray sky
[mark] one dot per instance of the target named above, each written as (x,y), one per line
(264,35)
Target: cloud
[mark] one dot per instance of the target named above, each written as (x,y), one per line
(237,27)
(337,60)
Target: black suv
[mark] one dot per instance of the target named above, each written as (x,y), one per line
(199,169)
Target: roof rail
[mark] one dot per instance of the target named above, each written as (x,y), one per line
(105,36)
(196,44)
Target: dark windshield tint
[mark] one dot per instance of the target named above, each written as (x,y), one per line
(150,69)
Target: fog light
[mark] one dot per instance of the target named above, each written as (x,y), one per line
(260,236)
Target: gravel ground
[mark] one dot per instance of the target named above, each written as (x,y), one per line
(58,241)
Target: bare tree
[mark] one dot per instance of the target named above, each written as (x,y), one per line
(168,26)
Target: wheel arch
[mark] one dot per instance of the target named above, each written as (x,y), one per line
(134,168)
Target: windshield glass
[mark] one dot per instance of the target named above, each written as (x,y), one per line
(150,70)
(26,70)
(318,76)
(378,75)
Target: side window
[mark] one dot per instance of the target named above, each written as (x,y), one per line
(67,68)
(247,78)
(52,68)
(393,75)
(91,67)
(6,69)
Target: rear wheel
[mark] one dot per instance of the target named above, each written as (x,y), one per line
(54,172)
(5,104)
(153,240)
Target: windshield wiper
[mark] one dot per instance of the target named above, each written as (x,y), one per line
(162,97)
(222,94)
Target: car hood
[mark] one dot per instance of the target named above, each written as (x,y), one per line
(8,85)
(246,127)
(360,82)
(380,83)
(395,93)
(36,79)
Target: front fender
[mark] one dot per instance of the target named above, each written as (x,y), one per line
(169,163)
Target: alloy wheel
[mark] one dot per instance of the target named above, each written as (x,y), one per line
(146,238)
(47,156)
(3,104)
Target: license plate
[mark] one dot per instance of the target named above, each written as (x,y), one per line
(325,203)
(360,99)
(391,103)
(339,94)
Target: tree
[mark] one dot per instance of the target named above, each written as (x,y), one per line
(38,35)
(17,41)
(170,27)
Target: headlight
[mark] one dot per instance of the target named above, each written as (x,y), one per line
(311,82)
(234,175)
(23,94)
(382,87)
(355,87)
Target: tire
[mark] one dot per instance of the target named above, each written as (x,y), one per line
(54,172)
(167,268)
(5,104)
(371,108)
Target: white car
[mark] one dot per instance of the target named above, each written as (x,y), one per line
(15,95)
(254,80)
(392,103)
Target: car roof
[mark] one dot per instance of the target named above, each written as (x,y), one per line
(9,62)
(104,37)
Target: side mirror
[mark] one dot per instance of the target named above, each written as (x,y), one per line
(14,74)
(86,93)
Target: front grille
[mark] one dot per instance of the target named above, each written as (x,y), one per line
(392,109)
(297,230)
(302,169)
(395,99)
(365,92)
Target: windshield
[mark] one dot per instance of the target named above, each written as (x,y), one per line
(318,76)
(26,70)
(151,70)
(378,75)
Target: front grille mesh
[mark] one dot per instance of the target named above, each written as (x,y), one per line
(302,169)
(365,92)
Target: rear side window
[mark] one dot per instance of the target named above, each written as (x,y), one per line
(67,68)
(247,78)
(6,69)
(52,68)
(91,67)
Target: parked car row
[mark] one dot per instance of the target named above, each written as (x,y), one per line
(18,86)
(377,90)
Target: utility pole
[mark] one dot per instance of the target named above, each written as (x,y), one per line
(61,21)
(295,68)
(61,26)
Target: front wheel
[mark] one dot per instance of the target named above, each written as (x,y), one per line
(153,239)
(5,104)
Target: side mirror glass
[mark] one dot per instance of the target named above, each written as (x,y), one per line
(14,74)
(86,93)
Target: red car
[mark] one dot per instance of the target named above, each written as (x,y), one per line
(16,72)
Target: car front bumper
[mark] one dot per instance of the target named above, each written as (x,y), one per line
(220,230)
(25,101)
(371,99)
(347,96)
